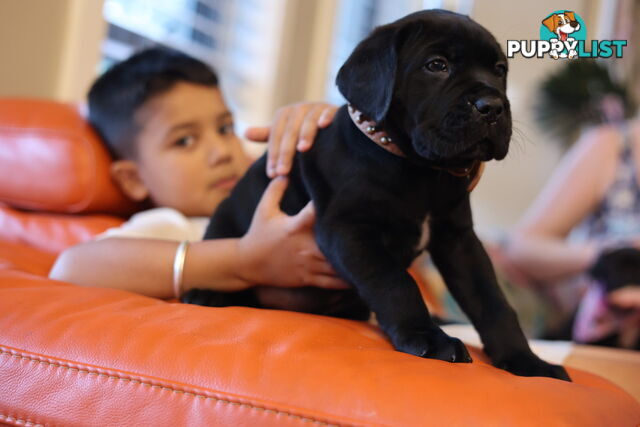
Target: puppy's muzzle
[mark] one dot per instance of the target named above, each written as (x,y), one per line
(488,108)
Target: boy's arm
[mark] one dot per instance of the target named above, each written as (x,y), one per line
(278,250)
(145,266)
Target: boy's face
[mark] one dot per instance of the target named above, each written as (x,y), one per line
(188,156)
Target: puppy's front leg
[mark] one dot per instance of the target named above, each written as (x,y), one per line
(469,275)
(357,252)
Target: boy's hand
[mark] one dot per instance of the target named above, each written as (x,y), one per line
(281,250)
(294,125)
(627,297)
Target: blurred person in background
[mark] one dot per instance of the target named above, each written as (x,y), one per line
(587,217)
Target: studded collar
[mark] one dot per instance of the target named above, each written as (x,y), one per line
(380,137)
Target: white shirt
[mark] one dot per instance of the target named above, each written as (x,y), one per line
(160,223)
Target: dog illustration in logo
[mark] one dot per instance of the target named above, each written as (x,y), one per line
(562,25)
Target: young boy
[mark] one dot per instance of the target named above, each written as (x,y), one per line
(163,118)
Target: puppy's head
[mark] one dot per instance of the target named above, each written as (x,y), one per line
(436,81)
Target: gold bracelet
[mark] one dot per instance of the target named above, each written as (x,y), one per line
(178,267)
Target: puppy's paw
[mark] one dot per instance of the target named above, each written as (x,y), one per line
(530,365)
(431,344)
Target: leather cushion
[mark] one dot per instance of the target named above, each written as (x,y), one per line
(52,160)
(51,232)
(92,356)
(22,257)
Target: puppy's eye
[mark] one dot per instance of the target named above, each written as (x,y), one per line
(501,70)
(437,66)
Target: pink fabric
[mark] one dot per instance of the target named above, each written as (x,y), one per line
(597,319)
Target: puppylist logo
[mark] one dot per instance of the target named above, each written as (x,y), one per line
(563,35)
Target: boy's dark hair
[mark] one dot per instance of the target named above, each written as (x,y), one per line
(115,96)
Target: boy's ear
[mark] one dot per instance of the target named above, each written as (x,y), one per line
(125,173)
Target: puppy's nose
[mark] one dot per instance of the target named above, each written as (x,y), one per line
(490,107)
(574,24)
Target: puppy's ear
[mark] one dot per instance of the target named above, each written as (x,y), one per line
(550,23)
(367,78)
(571,15)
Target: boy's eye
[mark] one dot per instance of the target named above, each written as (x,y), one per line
(226,129)
(185,141)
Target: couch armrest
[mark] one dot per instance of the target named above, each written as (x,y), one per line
(51,232)
(72,355)
(17,256)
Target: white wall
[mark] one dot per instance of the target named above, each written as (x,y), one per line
(49,48)
(84,33)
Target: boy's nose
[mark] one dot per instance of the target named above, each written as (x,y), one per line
(219,153)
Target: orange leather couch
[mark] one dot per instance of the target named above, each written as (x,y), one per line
(89,356)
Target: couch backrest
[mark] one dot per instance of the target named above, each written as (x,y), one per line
(51,160)
(55,186)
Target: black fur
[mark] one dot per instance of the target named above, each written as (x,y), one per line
(616,268)
(371,204)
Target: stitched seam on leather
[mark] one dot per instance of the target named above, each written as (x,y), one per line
(186,393)
(10,418)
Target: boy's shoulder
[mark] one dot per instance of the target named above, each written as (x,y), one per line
(160,223)
(163,213)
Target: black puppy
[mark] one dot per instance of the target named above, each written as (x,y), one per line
(428,92)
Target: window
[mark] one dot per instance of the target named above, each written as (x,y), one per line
(356,18)
(193,26)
